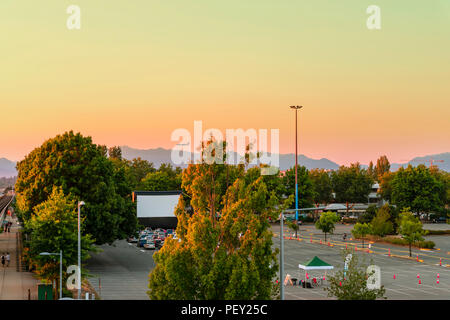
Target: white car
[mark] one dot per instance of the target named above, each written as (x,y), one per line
(150,244)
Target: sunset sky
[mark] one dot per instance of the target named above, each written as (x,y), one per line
(137,70)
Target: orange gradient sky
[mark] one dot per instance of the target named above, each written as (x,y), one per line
(137,70)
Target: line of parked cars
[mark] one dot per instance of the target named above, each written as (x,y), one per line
(151,239)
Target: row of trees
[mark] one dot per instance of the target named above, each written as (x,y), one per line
(70,168)
(407,225)
(422,189)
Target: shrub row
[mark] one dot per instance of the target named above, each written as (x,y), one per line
(437,232)
(426,244)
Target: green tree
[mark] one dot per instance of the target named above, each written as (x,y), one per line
(323,190)
(224,249)
(52,228)
(351,284)
(418,189)
(360,230)
(351,184)
(368,216)
(81,169)
(306,193)
(381,224)
(164,179)
(410,228)
(326,222)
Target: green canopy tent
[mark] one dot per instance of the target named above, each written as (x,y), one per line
(315,264)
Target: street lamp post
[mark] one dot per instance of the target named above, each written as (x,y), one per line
(296,108)
(81,203)
(60,268)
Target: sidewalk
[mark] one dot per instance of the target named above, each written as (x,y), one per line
(14,283)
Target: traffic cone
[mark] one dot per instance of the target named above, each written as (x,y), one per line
(345,246)
(438,275)
(417,258)
(440,262)
(394,276)
(437,281)
(418,276)
(320,241)
(389,253)
(420,281)
(356,248)
(328,243)
(340,284)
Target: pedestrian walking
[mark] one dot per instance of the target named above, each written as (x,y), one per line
(9,226)
(8,258)
(344,237)
(3,259)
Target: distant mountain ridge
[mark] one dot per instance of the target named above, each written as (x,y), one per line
(161,155)
(7,168)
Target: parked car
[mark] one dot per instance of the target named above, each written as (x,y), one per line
(142,240)
(132,239)
(150,244)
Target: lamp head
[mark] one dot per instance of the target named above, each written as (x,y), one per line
(296,107)
(81,203)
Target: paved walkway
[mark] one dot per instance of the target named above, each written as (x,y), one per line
(15,282)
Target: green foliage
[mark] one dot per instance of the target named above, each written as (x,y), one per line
(360,230)
(380,224)
(326,222)
(410,228)
(418,189)
(81,169)
(164,179)
(224,249)
(353,284)
(52,228)
(399,241)
(321,182)
(351,184)
(368,216)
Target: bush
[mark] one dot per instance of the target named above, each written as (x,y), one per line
(349,220)
(427,244)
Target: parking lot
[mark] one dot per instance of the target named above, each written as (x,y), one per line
(404,286)
(121,271)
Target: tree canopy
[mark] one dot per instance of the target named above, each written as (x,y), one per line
(83,172)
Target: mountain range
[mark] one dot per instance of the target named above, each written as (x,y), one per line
(286,161)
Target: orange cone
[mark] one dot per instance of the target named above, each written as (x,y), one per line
(438,275)
(417,258)
(389,253)
(394,276)
(420,281)
(356,248)
(418,276)
(437,281)
(340,284)
(440,262)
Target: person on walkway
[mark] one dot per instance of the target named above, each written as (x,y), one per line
(8,258)
(3,259)
(9,226)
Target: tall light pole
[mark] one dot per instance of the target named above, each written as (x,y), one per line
(296,160)
(81,203)
(60,268)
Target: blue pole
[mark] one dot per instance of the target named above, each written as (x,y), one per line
(296,202)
